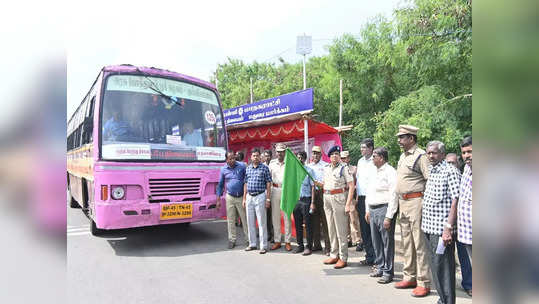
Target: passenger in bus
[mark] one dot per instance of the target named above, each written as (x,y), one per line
(192,137)
(116,128)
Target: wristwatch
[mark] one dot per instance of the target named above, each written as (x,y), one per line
(448,226)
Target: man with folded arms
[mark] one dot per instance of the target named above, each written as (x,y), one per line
(256,190)
(336,204)
(381,205)
(233,174)
(277,172)
(441,196)
(412,175)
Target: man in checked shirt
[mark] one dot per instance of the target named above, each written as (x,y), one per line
(440,198)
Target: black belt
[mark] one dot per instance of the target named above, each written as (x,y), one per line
(377,206)
(304,197)
(255,193)
(241,195)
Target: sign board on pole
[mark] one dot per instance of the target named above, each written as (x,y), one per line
(304,45)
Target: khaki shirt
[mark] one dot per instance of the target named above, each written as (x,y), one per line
(333,179)
(277,172)
(353,171)
(412,178)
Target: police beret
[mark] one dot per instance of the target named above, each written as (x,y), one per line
(334,149)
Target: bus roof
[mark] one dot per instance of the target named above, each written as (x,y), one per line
(127,68)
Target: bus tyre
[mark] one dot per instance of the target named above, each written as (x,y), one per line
(73,203)
(96,231)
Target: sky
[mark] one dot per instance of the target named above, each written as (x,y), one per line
(191,38)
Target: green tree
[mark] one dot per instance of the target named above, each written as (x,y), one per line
(447,120)
(424,52)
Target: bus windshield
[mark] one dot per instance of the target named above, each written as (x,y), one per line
(160,119)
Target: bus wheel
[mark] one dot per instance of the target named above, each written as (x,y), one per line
(94,230)
(72,202)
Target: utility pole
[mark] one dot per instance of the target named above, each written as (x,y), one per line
(340,103)
(304,46)
(251,89)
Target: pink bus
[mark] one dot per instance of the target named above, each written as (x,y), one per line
(144,148)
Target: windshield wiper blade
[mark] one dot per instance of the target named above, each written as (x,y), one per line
(154,88)
(171,98)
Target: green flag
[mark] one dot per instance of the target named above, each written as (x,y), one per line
(294,174)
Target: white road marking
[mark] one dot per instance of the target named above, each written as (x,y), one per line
(69,234)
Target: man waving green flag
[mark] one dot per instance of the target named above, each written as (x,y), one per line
(294,174)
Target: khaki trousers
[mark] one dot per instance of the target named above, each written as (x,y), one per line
(276,217)
(354,233)
(337,225)
(416,263)
(233,204)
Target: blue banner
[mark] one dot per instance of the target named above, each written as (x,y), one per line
(295,102)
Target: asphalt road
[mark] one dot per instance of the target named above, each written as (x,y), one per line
(178,264)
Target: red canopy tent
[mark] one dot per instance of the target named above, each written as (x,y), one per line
(279,132)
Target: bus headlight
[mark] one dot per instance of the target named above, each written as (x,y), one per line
(118,192)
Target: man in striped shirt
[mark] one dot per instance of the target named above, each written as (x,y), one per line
(257,191)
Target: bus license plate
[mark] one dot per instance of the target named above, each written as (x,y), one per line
(176,211)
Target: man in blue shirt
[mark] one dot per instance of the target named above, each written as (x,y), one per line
(115,128)
(233,174)
(257,190)
(192,137)
(301,211)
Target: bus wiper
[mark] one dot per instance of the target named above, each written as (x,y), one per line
(171,98)
(153,87)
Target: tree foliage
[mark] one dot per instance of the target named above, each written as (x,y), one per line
(414,68)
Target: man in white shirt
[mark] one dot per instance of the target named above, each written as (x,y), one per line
(365,173)
(277,175)
(381,205)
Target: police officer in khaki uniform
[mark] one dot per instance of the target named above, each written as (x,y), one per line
(412,175)
(336,204)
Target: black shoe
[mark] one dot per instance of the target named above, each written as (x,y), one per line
(317,247)
(249,248)
(359,247)
(263,251)
(375,274)
(385,280)
(350,244)
(231,244)
(299,249)
(365,263)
